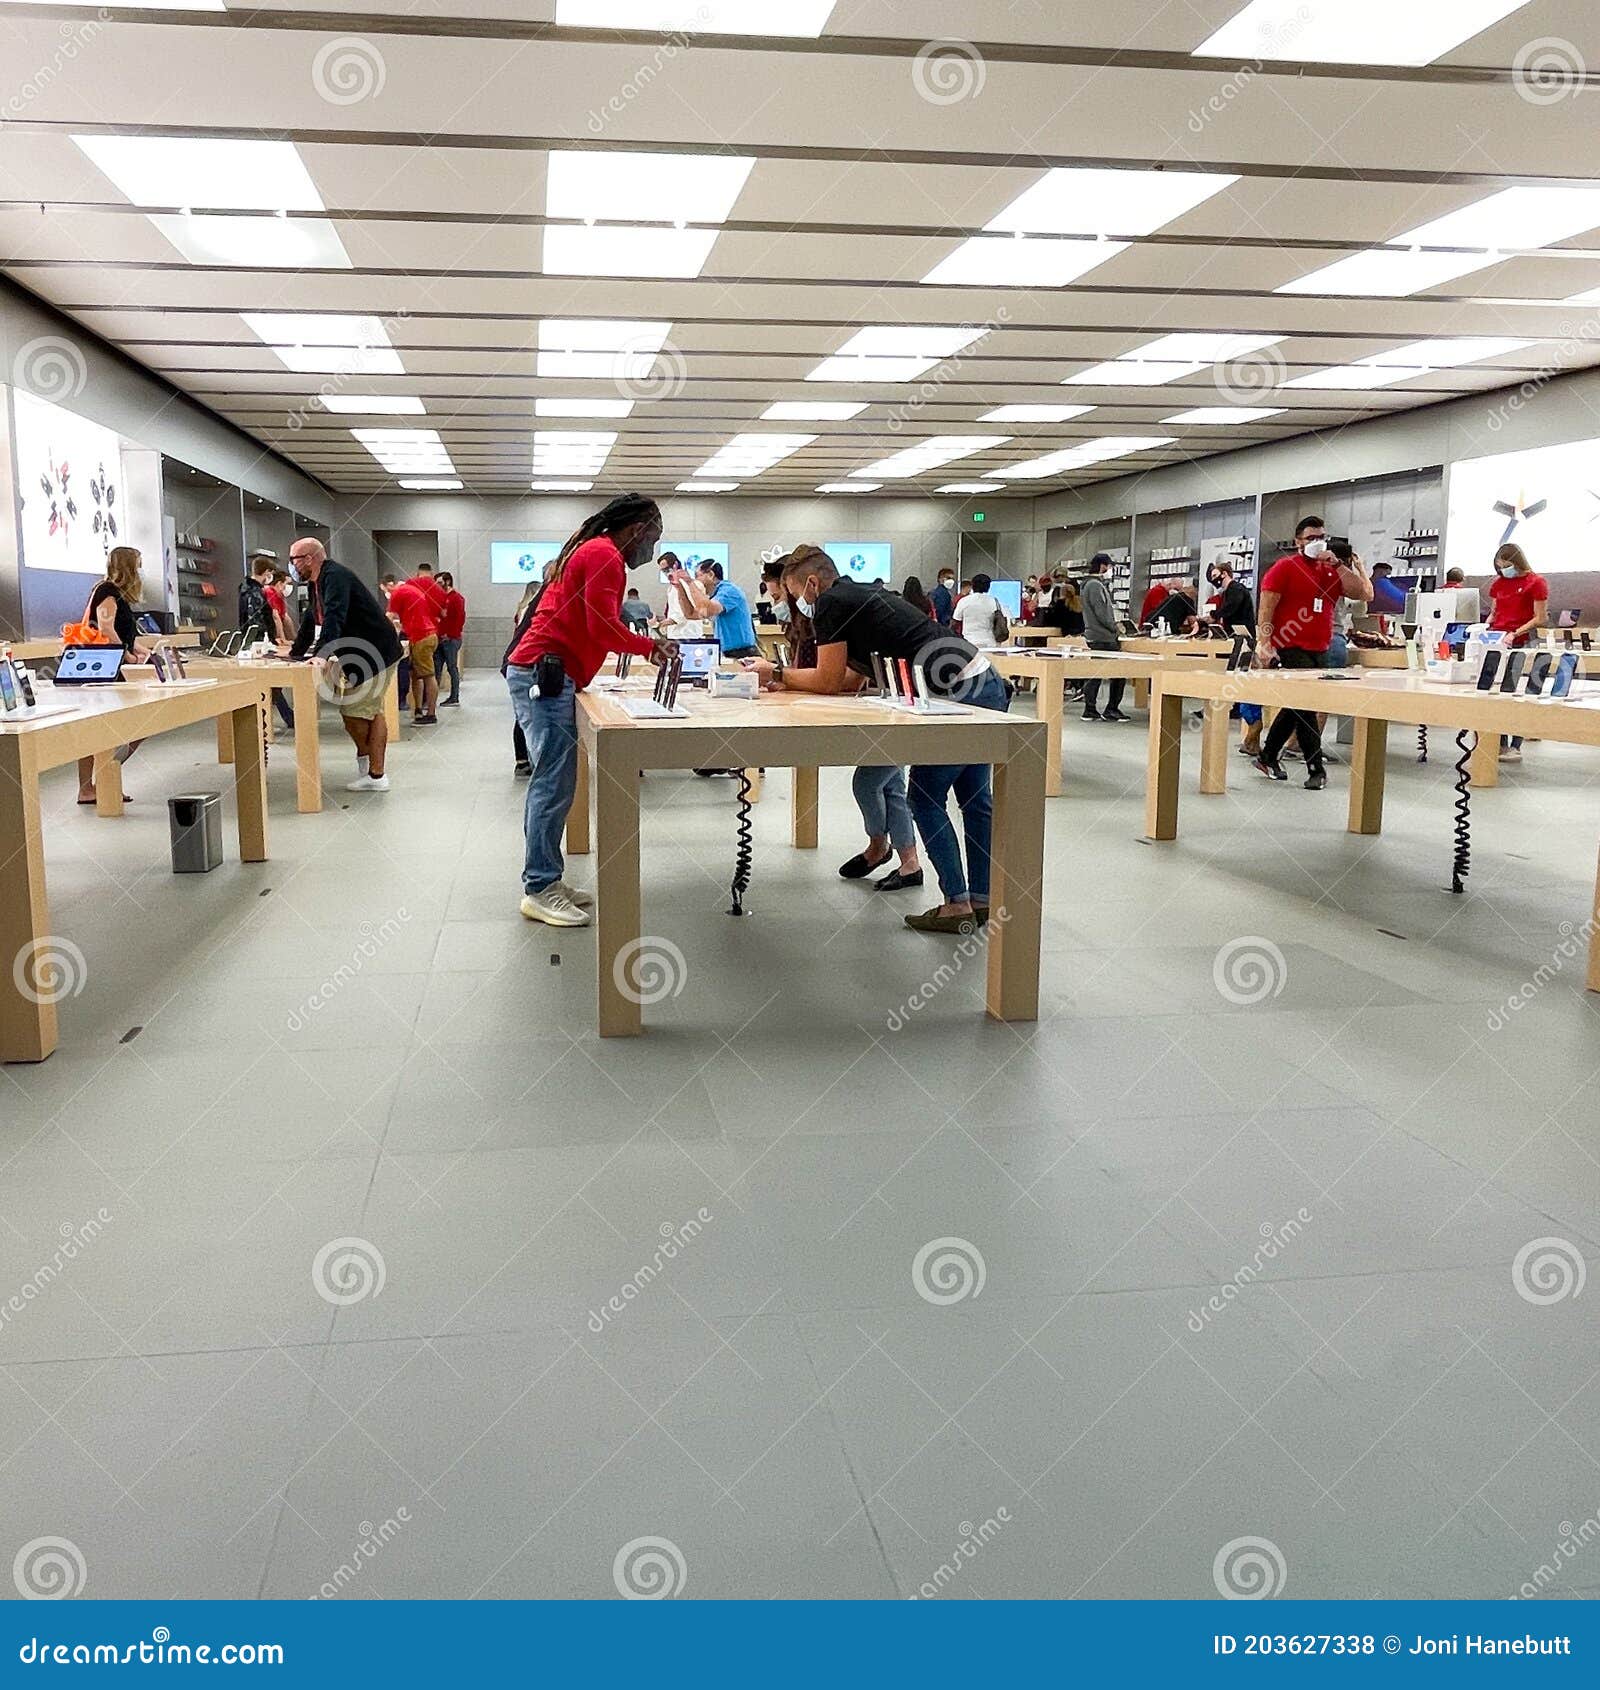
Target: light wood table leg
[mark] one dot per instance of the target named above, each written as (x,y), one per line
(307,750)
(1051,705)
(803,804)
(757,782)
(1141,694)
(1016,887)
(1369,763)
(1214,743)
(250,784)
(1164,762)
(391,705)
(1594,940)
(225,738)
(27,1002)
(578,841)
(1485,767)
(616,803)
(107,784)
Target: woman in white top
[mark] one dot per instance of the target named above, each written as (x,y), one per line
(975,615)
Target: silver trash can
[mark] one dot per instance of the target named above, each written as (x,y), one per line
(196,819)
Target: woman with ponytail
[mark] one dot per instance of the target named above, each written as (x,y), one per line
(565,634)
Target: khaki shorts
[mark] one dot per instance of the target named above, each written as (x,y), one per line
(364,703)
(422,656)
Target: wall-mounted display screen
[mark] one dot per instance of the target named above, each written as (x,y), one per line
(514,563)
(1545,500)
(69,480)
(862,560)
(1008,594)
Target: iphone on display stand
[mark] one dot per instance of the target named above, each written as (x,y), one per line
(1538,671)
(1491,667)
(1516,661)
(1566,668)
(8,688)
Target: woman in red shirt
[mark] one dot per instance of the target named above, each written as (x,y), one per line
(1518,600)
(563,638)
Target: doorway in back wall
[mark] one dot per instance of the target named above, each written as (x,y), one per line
(401,550)
(980,555)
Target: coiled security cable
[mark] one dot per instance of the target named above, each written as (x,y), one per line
(1422,742)
(1462,864)
(745,851)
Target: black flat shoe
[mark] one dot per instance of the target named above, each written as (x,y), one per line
(1317,778)
(1113,716)
(1091,715)
(1262,766)
(859,867)
(898,882)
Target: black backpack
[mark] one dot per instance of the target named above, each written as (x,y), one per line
(253,606)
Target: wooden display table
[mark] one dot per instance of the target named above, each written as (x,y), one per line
(103,718)
(1055,669)
(45,651)
(1374,700)
(788,730)
(1040,636)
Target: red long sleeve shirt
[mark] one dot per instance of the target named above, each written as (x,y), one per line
(580,616)
(453,619)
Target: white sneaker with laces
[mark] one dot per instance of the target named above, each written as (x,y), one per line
(368,783)
(554,908)
(584,900)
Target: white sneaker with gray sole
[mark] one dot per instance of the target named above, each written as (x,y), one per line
(554,908)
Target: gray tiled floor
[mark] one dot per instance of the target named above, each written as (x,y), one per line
(361,1041)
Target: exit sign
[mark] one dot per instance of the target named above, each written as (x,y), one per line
(980,516)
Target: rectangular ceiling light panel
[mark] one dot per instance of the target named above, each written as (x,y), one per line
(797,18)
(1353,32)
(931,454)
(1068,201)
(326,343)
(571,451)
(807,410)
(611,348)
(748,455)
(894,353)
(1081,457)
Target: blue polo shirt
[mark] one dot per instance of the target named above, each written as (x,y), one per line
(735,629)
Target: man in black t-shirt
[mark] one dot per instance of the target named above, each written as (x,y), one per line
(1236,604)
(853,624)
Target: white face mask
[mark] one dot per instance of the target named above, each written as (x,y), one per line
(1316,548)
(805,607)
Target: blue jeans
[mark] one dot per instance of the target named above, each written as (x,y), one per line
(1339,652)
(930,788)
(550,727)
(448,656)
(881,799)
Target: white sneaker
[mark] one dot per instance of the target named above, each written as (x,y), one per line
(368,783)
(554,908)
(584,900)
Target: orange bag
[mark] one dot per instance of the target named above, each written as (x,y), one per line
(82,633)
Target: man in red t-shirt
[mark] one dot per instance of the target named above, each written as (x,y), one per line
(452,628)
(1294,627)
(558,650)
(417,605)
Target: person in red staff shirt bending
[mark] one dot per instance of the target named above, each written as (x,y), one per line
(417,605)
(1294,623)
(1519,600)
(452,628)
(565,634)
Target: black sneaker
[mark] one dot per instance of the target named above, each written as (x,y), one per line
(1113,716)
(1316,778)
(1091,715)
(523,770)
(1265,766)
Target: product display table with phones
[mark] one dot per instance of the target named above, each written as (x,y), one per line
(301,682)
(1038,636)
(1374,700)
(97,721)
(46,651)
(1053,670)
(788,730)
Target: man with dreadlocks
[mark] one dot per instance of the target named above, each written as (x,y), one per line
(563,637)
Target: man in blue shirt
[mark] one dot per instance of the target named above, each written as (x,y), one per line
(717,599)
(943,598)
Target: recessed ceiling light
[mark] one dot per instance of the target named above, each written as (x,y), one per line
(1132,373)
(219,175)
(326,343)
(1206,348)
(1068,201)
(617,348)
(971,487)
(614,251)
(431,486)
(931,454)
(747,455)
(802,18)
(1354,377)
(1081,457)
(560,486)
(1386,273)
(850,487)
(1035,413)
(257,243)
(1518,218)
(1590,297)
(371,404)
(1446,354)
(1225,416)
(708,486)
(1002,261)
(583,407)
(807,410)
(418,451)
(894,353)
(577,452)
(1353,32)
(644,187)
